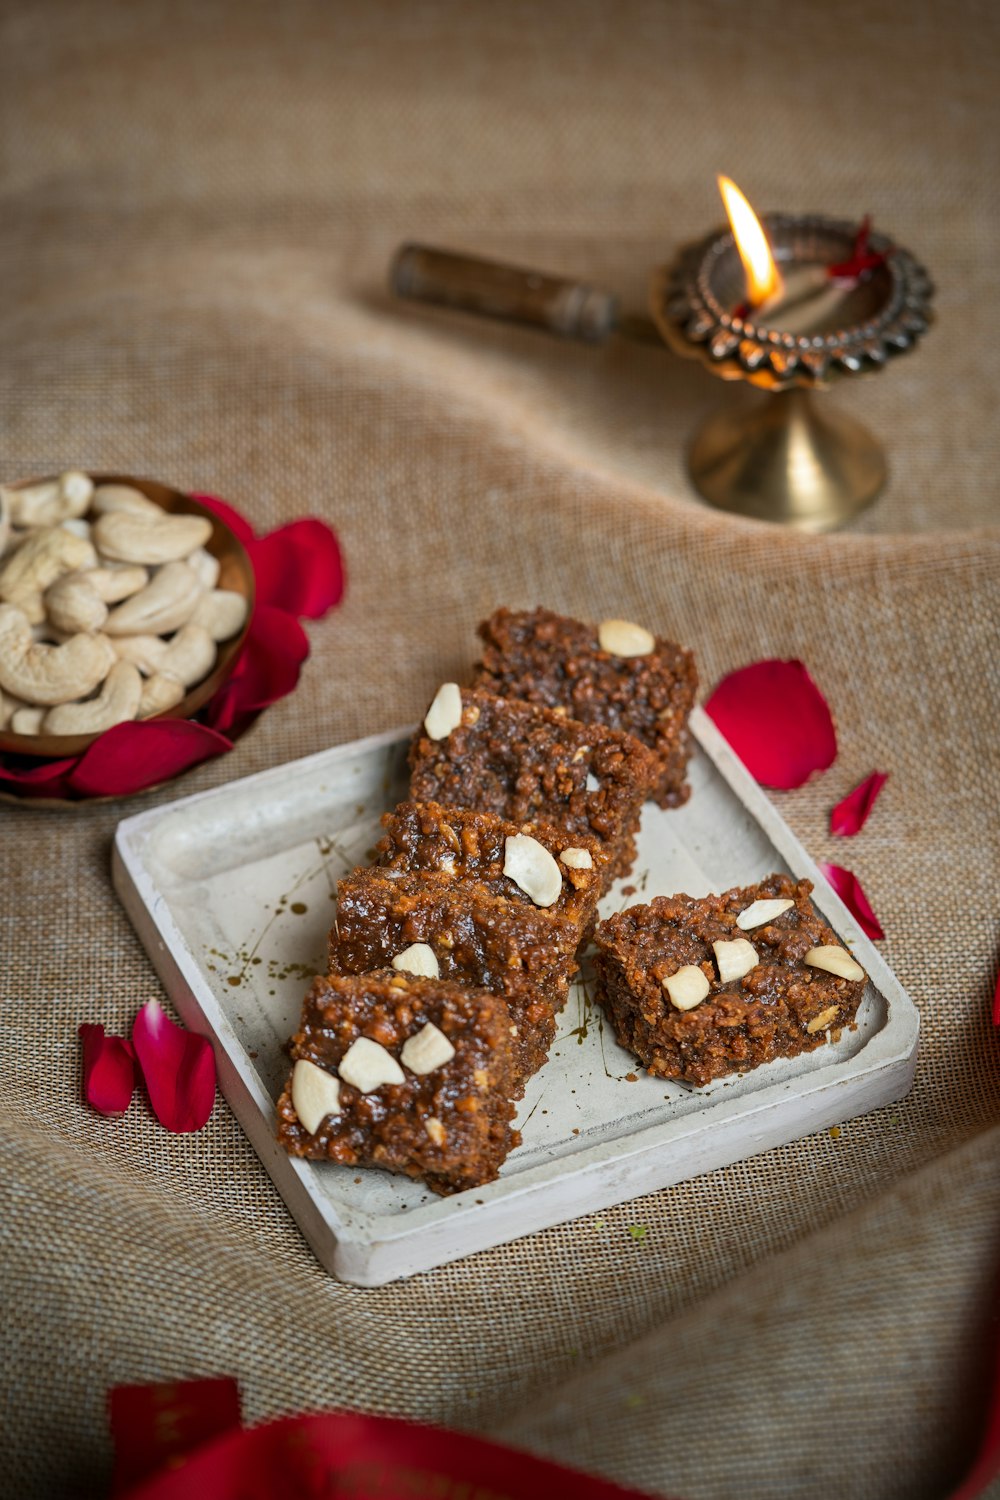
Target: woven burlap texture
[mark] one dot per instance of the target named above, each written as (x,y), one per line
(199,204)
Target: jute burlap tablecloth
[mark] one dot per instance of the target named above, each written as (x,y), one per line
(199,201)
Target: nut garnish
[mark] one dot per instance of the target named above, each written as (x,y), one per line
(429,1049)
(531,867)
(418,958)
(735,958)
(623,638)
(445,713)
(822,1021)
(835,961)
(687,988)
(366,1065)
(435,1130)
(592,784)
(315,1094)
(577,859)
(759,912)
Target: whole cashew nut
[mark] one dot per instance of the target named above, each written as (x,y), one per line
(52,501)
(117,702)
(223,614)
(205,566)
(143,651)
(117,497)
(126,537)
(190,656)
(27,720)
(36,565)
(160,693)
(117,581)
(72,605)
(165,604)
(41,674)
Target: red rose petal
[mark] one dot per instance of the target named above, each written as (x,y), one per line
(153,1427)
(108,1070)
(851,815)
(848,888)
(238,525)
(131,757)
(268,669)
(777,720)
(299,568)
(178,1068)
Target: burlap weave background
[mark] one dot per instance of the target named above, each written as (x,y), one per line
(199,201)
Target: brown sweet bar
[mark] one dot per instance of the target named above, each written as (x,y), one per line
(451,1125)
(457,844)
(524,953)
(557,662)
(779,1008)
(530,764)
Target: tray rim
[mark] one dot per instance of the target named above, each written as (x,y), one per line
(371,1248)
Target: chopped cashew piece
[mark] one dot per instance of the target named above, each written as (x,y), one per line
(435,1130)
(577,859)
(315,1094)
(125,536)
(759,912)
(429,1049)
(366,1065)
(687,988)
(42,674)
(822,1021)
(532,868)
(445,713)
(622,638)
(418,958)
(592,784)
(835,961)
(165,604)
(735,959)
(117,702)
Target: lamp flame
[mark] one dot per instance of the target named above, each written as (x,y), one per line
(762,276)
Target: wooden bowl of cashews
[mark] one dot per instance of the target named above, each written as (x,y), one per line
(120,599)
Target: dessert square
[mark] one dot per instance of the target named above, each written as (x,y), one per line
(698,988)
(530,863)
(615,674)
(461,932)
(407,1074)
(530,764)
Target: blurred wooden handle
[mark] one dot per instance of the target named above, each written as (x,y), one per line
(568,308)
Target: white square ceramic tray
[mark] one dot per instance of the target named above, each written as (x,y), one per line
(232,894)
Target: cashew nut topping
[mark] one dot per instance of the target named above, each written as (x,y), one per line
(36,565)
(116,497)
(72,605)
(117,581)
(52,501)
(222,612)
(37,673)
(159,693)
(124,536)
(165,604)
(117,702)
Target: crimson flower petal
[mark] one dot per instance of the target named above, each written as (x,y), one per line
(155,1426)
(178,1068)
(851,815)
(777,720)
(299,568)
(848,888)
(238,524)
(108,1070)
(268,669)
(134,756)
